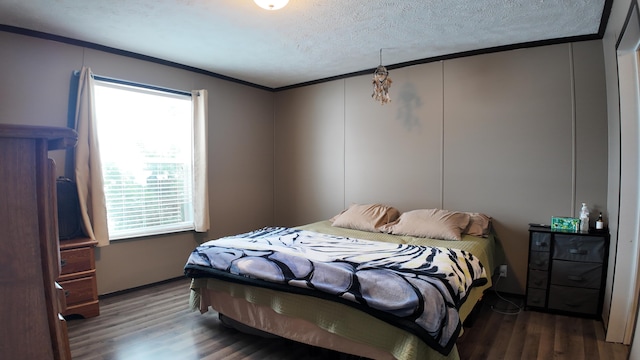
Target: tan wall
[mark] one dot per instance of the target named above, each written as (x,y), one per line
(35,79)
(519,135)
(309,154)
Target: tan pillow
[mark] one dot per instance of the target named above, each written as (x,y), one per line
(367,217)
(430,223)
(479,225)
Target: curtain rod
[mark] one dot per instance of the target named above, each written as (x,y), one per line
(131,83)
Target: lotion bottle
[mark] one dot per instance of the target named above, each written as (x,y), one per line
(584,218)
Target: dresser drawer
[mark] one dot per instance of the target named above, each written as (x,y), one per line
(577,274)
(539,260)
(579,248)
(536,297)
(577,300)
(76,260)
(61,299)
(540,242)
(80,290)
(538,279)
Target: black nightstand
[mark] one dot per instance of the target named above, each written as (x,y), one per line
(567,271)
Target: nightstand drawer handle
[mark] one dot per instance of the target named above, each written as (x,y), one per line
(575,278)
(541,243)
(63,262)
(578,252)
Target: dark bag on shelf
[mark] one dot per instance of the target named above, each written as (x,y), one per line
(69,220)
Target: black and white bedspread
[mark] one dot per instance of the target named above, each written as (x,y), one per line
(417,288)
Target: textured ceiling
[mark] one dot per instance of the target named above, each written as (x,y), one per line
(309,39)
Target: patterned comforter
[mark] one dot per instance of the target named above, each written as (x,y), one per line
(417,288)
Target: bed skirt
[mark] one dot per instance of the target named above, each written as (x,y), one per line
(335,326)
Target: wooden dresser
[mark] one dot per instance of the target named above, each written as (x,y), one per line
(78,277)
(31,302)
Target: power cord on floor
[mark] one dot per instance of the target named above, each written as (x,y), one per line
(515,311)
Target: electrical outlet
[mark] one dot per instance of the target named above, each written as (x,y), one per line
(503,271)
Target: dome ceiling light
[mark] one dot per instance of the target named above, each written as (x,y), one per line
(271,4)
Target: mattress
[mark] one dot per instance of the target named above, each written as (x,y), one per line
(331,324)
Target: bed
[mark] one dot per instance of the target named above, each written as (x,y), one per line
(248,294)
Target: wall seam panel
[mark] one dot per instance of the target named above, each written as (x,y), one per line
(442,137)
(573,131)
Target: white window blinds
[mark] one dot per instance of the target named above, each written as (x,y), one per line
(146,146)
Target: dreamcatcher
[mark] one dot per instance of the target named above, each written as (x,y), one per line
(381,83)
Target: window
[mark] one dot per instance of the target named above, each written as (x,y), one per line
(146,149)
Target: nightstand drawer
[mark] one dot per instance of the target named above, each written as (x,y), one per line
(540,242)
(577,300)
(80,290)
(579,248)
(76,260)
(539,260)
(538,279)
(577,274)
(536,297)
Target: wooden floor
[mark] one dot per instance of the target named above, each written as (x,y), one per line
(156,323)
(534,335)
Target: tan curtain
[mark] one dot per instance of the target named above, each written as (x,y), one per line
(88,168)
(201,188)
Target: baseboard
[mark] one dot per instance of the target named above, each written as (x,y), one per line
(125,291)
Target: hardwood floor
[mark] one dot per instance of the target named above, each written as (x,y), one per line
(156,323)
(534,335)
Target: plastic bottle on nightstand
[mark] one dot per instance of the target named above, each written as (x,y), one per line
(584,218)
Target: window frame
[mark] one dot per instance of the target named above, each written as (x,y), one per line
(157,230)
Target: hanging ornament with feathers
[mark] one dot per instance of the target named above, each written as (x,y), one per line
(381,83)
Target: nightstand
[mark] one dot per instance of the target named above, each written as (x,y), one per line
(567,271)
(78,277)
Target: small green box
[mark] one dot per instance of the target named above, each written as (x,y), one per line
(565,223)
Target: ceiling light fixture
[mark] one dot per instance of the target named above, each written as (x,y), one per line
(381,83)
(271,4)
